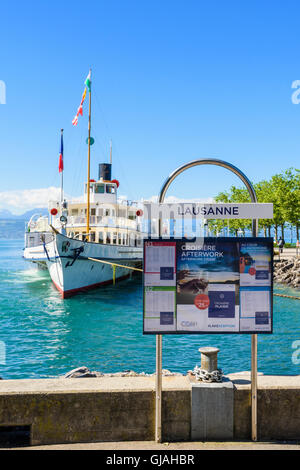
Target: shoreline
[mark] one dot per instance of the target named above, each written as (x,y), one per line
(287,272)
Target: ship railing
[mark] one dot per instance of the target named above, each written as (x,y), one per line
(33,239)
(105,221)
(37,223)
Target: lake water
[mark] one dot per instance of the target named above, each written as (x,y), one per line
(42,335)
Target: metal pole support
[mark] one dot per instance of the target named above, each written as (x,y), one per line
(158,389)
(158,377)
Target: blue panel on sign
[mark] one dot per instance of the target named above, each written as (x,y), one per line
(166,273)
(166,318)
(262,275)
(261,318)
(221,304)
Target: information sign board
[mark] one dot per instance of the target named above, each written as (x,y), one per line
(208,285)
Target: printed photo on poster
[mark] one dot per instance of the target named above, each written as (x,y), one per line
(255,264)
(207,285)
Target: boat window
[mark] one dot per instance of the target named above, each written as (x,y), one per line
(120,239)
(100,237)
(114,238)
(91,188)
(99,188)
(92,237)
(110,189)
(108,238)
(74,211)
(106,212)
(93,211)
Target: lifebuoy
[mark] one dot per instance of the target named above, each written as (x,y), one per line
(116,182)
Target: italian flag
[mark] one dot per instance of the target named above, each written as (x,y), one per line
(88,81)
(80,109)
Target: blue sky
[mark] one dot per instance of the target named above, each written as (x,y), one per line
(172,81)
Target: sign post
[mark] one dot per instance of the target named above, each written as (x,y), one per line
(158,376)
(166,318)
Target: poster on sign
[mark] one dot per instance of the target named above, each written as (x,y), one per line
(208,285)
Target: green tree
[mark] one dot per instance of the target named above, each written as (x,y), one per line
(234,195)
(283,190)
(264,192)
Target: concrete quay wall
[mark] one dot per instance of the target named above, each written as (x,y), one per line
(123,408)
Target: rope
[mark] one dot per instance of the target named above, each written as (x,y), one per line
(115,264)
(287,296)
(114,274)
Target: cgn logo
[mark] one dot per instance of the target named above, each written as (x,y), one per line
(188,324)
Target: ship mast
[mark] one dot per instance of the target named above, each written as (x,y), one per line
(61,167)
(88,166)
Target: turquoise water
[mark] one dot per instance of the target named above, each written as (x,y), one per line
(45,336)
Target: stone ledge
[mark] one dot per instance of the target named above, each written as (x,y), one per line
(242,380)
(123,408)
(95,384)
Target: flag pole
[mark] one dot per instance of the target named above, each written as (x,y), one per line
(62,171)
(89,166)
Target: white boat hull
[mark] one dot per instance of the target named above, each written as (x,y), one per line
(72,271)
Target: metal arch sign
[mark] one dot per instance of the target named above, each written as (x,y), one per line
(208,210)
(255,217)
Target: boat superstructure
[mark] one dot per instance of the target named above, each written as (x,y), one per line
(78,260)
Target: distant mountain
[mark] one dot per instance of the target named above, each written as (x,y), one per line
(12,226)
(7,215)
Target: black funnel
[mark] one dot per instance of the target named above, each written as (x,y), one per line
(105,171)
